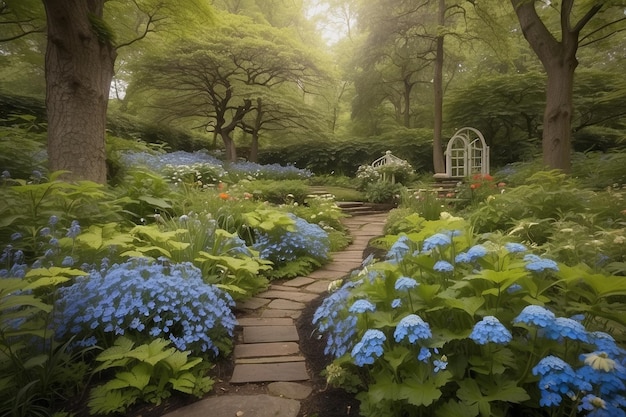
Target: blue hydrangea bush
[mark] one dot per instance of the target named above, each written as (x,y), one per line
(144,300)
(452,324)
(300,239)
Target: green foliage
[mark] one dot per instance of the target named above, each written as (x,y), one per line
(28,205)
(147,373)
(453,280)
(38,374)
(278,192)
(21,146)
(383,192)
(144,193)
(223,257)
(550,209)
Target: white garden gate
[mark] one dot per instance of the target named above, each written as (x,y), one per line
(467,154)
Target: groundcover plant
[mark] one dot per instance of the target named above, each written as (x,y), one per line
(455,324)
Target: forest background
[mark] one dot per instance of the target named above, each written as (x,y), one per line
(324,85)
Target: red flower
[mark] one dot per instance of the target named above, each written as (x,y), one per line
(224,196)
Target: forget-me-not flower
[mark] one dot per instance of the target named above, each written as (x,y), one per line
(489,329)
(436,240)
(361,306)
(443,266)
(405,283)
(413,328)
(369,348)
(513,247)
(535,315)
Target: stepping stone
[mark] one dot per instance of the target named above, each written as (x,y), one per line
(318,287)
(257,350)
(342,267)
(281,288)
(326,274)
(289,390)
(298,282)
(261,321)
(270,313)
(254,303)
(289,295)
(272,359)
(240,405)
(263,372)
(263,334)
(280,304)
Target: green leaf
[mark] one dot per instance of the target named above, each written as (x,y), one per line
(185,382)
(155,201)
(396,356)
(456,409)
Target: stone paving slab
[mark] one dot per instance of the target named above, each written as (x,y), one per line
(342,267)
(326,274)
(288,295)
(264,372)
(271,359)
(255,350)
(254,303)
(279,304)
(278,287)
(318,287)
(263,334)
(240,405)
(289,390)
(269,313)
(264,321)
(298,282)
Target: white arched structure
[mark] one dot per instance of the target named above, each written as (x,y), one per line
(467,154)
(388,159)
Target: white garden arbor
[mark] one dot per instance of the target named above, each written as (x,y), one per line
(467,154)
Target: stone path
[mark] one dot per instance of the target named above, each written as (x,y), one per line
(267,347)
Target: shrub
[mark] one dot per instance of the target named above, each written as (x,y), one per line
(146,300)
(450,324)
(278,192)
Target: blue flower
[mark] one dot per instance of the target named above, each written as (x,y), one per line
(405,284)
(440,364)
(369,348)
(513,247)
(443,266)
(537,264)
(399,249)
(16,236)
(424,355)
(67,261)
(413,328)
(535,315)
(562,327)
(477,251)
(53,220)
(396,303)
(514,288)
(74,230)
(436,240)
(489,329)
(361,306)
(551,364)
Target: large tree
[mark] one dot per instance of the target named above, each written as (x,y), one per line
(81,50)
(217,79)
(556,47)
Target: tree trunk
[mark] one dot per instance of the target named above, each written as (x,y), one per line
(438,162)
(79,68)
(407,103)
(559,61)
(557,117)
(229,147)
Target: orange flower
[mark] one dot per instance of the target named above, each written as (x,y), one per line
(224,196)
(502,184)
(474,186)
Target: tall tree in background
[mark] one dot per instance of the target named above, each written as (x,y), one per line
(81,49)
(217,78)
(558,57)
(80,57)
